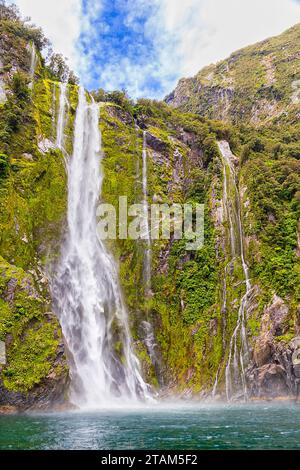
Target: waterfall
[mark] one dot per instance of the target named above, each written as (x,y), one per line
(33,63)
(87,297)
(149,341)
(238,353)
(215,386)
(149,338)
(63,104)
(146,230)
(229,208)
(53,112)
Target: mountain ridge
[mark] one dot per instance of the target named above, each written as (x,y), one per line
(255,85)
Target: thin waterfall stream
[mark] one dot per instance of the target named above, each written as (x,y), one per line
(146,229)
(149,336)
(87,296)
(33,63)
(238,348)
(61,121)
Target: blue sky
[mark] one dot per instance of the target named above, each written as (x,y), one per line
(145,46)
(120,48)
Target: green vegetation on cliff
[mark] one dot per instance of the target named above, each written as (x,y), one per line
(254,85)
(182,160)
(33,206)
(192,324)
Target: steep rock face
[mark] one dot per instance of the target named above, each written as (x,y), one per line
(34,371)
(34,359)
(184,287)
(271,255)
(256,89)
(274,323)
(49,391)
(192,322)
(275,370)
(254,85)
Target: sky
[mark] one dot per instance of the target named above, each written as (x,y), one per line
(146,46)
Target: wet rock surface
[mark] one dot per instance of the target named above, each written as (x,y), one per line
(276,364)
(156,144)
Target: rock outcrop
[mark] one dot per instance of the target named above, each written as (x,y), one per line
(275,371)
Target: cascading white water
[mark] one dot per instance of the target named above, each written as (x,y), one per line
(149,341)
(238,353)
(214,390)
(61,121)
(87,296)
(149,338)
(146,229)
(53,112)
(33,63)
(229,208)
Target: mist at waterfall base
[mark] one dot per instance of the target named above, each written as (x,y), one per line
(185,427)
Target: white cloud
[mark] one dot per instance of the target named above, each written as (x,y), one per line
(60,21)
(211,29)
(190,34)
(205,31)
(186,36)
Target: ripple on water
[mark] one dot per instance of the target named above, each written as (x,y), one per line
(188,427)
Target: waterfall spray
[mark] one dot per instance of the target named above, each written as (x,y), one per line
(87,296)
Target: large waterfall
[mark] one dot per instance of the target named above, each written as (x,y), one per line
(93,316)
(238,348)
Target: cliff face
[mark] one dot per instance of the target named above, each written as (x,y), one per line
(254,85)
(193,306)
(256,89)
(183,299)
(32,199)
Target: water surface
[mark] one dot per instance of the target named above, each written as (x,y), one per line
(189,427)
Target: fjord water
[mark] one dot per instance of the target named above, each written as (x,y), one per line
(186,427)
(86,292)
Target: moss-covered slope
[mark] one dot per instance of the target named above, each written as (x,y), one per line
(254,85)
(33,205)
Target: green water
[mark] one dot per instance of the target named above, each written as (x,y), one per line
(188,427)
